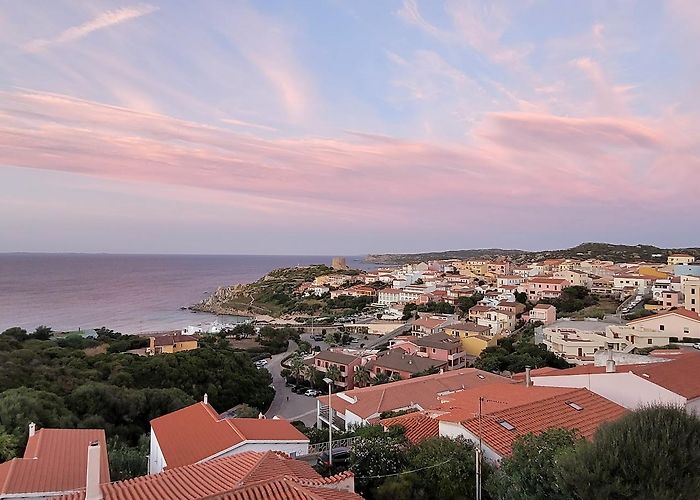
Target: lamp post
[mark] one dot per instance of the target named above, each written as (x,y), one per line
(330,422)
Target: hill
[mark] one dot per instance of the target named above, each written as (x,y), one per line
(602,251)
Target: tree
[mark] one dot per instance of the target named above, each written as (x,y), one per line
(362,376)
(395,377)
(650,453)
(530,473)
(408,310)
(521,297)
(42,332)
(376,453)
(296,367)
(333,373)
(126,462)
(445,469)
(246,411)
(17,333)
(380,378)
(8,445)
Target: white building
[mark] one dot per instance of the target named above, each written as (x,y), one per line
(196,434)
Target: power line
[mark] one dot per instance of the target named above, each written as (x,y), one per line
(406,471)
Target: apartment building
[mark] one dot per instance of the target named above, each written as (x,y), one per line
(676,259)
(691,294)
(544,288)
(575,278)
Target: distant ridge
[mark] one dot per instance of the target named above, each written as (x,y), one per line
(602,251)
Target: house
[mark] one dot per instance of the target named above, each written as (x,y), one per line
(670,298)
(438,347)
(673,382)
(508,280)
(680,259)
(478,311)
(171,343)
(55,462)
(427,325)
(575,278)
(196,433)
(546,313)
(576,340)
(677,323)
(635,283)
(691,295)
(511,306)
(365,405)
(398,363)
(317,290)
(499,322)
(544,288)
(332,280)
(499,267)
(252,475)
(346,364)
(512,411)
(472,337)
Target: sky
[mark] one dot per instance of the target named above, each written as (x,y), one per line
(347,126)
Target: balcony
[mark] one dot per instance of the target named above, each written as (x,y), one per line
(338,421)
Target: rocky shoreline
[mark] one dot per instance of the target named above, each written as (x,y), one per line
(223,294)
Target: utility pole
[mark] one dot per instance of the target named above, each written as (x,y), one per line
(478,455)
(330,423)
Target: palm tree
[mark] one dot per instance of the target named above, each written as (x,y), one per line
(362,377)
(380,378)
(395,377)
(333,373)
(296,368)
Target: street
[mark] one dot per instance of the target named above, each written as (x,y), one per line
(287,404)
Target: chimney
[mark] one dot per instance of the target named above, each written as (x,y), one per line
(528,378)
(206,398)
(92,481)
(32,429)
(610,363)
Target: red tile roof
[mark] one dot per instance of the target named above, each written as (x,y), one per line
(552,281)
(417,426)
(422,391)
(195,433)
(250,475)
(680,375)
(538,416)
(678,312)
(55,460)
(163,340)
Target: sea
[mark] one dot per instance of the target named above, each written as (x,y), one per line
(127,293)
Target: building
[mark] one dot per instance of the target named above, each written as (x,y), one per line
(544,288)
(633,283)
(509,280)
(438,347)
(499,267)
(677,323)
(575,278)
(346,364)
(418,426)
(317,290)
(576,341)
(355,291)
(670,298)
(511,306)
(674,382)
(196,433)
(680,259)
(472,336)
(365,405)
(398,363)
(171,343)
(499,322)
(339,264)
(428,325)
(333,280)
(546,313)
(55,462)
(691,295)
(250,475)
(512,411)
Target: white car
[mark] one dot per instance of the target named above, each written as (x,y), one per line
(697,346)
(311,392)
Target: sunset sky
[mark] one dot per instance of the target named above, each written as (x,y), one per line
(346,126)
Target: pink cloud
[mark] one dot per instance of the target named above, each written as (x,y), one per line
(513,160)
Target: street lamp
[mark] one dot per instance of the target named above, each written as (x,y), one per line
(330,422)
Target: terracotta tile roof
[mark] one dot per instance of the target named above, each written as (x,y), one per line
(55,460)
(479,308)
(680,375)
(429,322)
(161,340)
(417,426)
(468,326)
(438,341)
(196,432)
(250,475)
(336,357)
(678,312)
(399,360)
(422,391)
(543,306)
(578,409)
(551,281)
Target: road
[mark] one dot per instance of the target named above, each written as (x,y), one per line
(388,336)
(286,403)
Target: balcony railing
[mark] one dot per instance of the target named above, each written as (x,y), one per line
(338,421)
(337,443)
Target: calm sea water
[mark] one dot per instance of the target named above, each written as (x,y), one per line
(128,293)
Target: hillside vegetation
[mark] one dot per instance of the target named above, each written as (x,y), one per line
(602,251)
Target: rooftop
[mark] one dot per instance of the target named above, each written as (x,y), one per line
(417,426)
(423,392)
(336,357)
(678,312)
(161,340)
(468,326)
(55,460)
(196,432)
(250,475)
(438,341)
(399,360)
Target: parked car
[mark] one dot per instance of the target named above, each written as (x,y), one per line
(300,389)
(697,346)
(312,393)
(341,456)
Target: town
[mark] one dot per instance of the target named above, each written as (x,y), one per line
(475,357)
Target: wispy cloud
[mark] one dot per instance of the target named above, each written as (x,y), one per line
(242,123)
(104,20)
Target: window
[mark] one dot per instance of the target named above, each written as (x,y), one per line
(686,329)
(661,327)
(506,425)
(648,341)
(575,406)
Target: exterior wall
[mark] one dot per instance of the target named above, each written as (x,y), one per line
(691,295)
(546,316)
(670,299)
(575,278)
(638,282)
(185,346)
(670,324)
(540,289)
(454,430)
(674,260)
(625,389)
(292,448)
(693,406)
(473,346)
(156,460)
